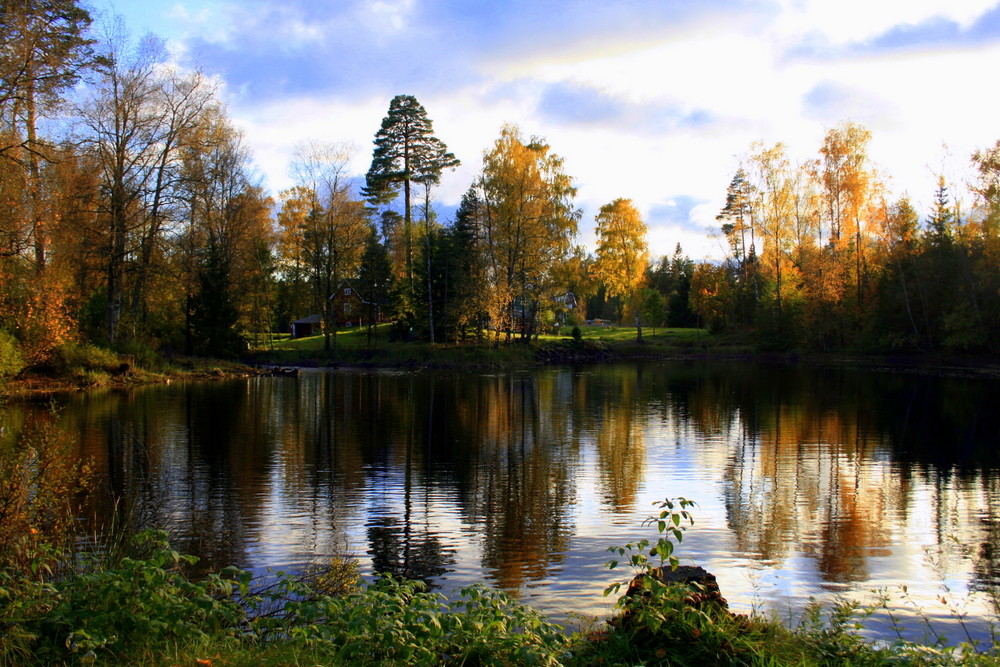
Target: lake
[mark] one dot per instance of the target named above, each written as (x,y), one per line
(811,483)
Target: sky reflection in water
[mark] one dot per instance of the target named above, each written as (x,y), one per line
(810,483)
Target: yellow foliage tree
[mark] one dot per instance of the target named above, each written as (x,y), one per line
(46,321)
(622,254)
(528,224)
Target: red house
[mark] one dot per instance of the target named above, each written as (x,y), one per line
(349,308)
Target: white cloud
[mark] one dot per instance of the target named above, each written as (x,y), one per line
(662,239)
(846,21)
(674,105)
(386,17)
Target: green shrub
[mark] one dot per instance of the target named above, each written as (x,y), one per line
(79,357)
(671,623)
(11,359)
(141,353)
(21,598)
(138,603)
(399,622)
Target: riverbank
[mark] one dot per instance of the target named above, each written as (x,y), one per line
(80,368)
(596,345)
(83,367)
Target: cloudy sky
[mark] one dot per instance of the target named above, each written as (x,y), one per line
(653,100)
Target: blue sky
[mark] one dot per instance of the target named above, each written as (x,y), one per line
(654,100)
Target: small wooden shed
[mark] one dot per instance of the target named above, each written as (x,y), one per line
(307,326)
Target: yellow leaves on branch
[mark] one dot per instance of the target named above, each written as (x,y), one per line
(41,485)
(46,321)
(622,253)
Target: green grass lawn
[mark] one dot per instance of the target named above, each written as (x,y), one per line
(351,346)
(355,337)
(665,335)
(358,337)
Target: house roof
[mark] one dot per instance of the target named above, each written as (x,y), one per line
(310,319)
(354,292)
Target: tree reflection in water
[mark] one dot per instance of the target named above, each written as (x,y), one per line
(829,476)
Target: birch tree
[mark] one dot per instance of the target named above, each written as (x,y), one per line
(622,254)
(334,232)
(528,226)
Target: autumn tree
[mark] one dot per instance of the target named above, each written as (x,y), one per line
(406,152)
(573,274)
(622,254)
(850,188)
(711,296)
(807,213)
(46,49)
(775,203)
(837,215)
(332,235)
(188,112)
(528,226)
(295,295)
(228,213)
(137,122)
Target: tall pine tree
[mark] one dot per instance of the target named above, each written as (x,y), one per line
(406,152)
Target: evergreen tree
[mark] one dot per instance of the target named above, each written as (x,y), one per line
(737,218)
(374,283)
(214,314)
(942,216)
(679,313)
(406,152)
(463,308)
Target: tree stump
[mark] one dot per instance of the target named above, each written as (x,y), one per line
(702,584)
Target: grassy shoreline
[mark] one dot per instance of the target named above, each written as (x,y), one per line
(82,367)
(139,605)
(597,344)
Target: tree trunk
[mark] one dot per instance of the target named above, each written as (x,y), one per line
(34,177)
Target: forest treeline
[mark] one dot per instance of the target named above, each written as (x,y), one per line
(823,258)
(133,218)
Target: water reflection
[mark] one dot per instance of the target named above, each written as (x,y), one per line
(823,479)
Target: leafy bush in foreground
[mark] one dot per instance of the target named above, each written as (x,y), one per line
(144,609)
(135,602)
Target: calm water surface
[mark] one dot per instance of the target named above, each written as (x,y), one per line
(810,483)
